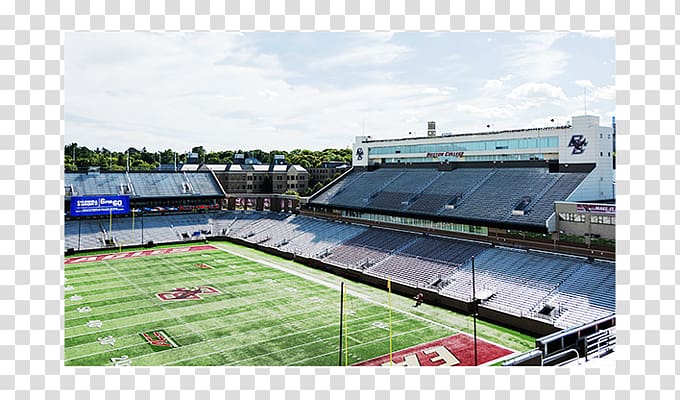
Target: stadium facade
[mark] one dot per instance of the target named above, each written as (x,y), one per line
(483,184)
(583,145)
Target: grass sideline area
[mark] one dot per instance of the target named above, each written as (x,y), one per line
(241,307)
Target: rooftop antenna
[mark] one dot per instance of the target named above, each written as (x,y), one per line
(585,108)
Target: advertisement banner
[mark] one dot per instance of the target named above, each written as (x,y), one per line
(596,208)
(86,206)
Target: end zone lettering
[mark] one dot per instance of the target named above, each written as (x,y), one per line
(435,356)
(456,350)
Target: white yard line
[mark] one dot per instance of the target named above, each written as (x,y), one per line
(363,344)
(142,291)
(93,314)
(205,309)
(359,295)
(241,322)
(269,340)
(191,310)
(240,362)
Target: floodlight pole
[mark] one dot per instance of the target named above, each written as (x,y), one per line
(79,221)
(342,298)
(474,310)
(141,212)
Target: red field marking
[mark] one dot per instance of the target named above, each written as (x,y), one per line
(187,294)
(456,350)
(143,253)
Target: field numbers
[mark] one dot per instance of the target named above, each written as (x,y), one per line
(122,361)
(106,340)
(379,325)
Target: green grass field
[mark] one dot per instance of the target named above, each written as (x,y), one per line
(268,311)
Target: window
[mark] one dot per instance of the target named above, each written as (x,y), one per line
(603,219)
(483,145)
(571,217)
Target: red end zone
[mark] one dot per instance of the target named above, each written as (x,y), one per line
(456,350)
(117,256)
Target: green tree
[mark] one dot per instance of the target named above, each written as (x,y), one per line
(200,151)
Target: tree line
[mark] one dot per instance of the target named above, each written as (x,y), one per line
(80,158)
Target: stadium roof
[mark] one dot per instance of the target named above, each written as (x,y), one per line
(513,198)
(298,168)
(216,167)
(142,184)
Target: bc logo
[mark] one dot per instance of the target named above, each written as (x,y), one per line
(360,153)
(578,142)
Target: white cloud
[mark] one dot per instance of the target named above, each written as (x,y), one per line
(445,91)
(533,90)
(600,34)
(493,84)
(605,93)
(584,83)
(535,58)
(224,91)
(379,53)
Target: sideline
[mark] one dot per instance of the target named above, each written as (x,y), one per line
(139,253)
(356,294)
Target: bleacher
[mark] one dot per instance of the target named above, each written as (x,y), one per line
(317,241)
(360,191)
(523,283)
(586,295)
(411,270)
(143,184)
(451,251)
(95,184)
(497,197)
(515,282)
(464,194)
(396,195)
(329,192)
(369,248)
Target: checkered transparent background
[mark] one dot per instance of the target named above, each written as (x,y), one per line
(31,142)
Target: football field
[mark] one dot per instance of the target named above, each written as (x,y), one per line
(227,305)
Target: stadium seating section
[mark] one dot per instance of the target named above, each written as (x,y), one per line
(143,184)
(512,281)
(565,291)
(475,194)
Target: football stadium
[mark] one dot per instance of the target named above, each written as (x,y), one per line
(169,268)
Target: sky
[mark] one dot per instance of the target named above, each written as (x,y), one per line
(286,90)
